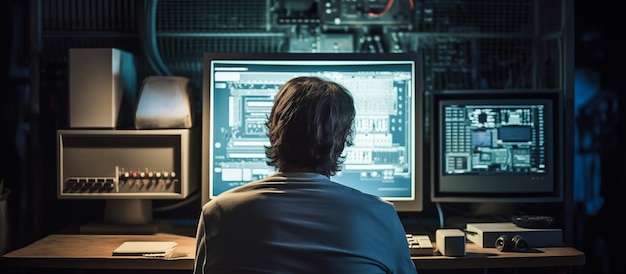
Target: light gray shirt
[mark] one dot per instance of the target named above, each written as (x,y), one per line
(300,223)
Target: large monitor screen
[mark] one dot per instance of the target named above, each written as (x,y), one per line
(386,157)
(496,146)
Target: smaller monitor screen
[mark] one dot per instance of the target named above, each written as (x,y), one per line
(500,146)
(239,93)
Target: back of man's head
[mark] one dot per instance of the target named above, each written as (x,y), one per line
(309,126)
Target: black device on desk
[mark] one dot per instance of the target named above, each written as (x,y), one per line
(533,221)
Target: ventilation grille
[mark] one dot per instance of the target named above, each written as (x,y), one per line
(183,55)
(494,16)
(89,15)
(212,15)
(466,44)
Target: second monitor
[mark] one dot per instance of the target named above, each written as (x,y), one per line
(496,146)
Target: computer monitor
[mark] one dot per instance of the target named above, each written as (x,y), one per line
(386,158)
(496,146)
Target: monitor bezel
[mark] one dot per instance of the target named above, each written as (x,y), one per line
(554,96)
(415,205)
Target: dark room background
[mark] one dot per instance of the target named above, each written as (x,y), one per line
(33,101)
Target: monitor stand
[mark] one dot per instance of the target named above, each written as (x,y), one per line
(126,216)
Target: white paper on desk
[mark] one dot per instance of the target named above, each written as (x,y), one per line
(145,248)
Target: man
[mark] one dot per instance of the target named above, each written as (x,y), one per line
(298,220)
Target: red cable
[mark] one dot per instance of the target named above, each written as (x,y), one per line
(387,7)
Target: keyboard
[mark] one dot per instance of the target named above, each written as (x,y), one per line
(420,245)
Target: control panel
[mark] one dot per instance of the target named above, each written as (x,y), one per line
(153,164)
(130,181)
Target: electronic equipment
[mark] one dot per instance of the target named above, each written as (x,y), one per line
(501,146)
(164,102)
(365,12)
(419,244)
(517,243)
(102,87)
(533,221)
(487,235)
(386,158)
(128,169)
(450,242)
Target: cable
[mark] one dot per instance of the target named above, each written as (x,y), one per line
(143,39)
(149,40)
(440,214)
(387,7)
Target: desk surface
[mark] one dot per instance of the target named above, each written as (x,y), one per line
(478,257)
(84,251)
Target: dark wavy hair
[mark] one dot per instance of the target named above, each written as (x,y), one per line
(309,126)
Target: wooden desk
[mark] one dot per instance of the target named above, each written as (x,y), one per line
(478,257)
(82,251)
